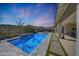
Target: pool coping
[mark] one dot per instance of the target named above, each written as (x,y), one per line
(24,53)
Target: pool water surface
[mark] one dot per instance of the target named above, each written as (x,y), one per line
(28,43)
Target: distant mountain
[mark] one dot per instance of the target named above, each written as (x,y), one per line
(15,30)
(16,27)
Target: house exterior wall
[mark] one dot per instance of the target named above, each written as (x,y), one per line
(59,29)
(60,10)
(77,41)
(70,25)
(64,16)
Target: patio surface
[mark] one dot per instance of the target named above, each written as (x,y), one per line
(51,47)
(60,47)
(54,47)
(69,46)
(7,49)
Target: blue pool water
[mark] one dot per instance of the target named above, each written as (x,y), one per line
(28,43)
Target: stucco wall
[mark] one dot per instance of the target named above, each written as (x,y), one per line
(59,29)
(77,41)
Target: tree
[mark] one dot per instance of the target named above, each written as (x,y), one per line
(20,25)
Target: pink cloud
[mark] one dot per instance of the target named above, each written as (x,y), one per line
(42,21)
(23,13)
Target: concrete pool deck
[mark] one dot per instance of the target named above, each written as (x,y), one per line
(60,47)
(6,49)
(69,46)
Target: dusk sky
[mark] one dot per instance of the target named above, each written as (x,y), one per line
(30,14)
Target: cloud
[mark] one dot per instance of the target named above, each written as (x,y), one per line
(21,12)
(38,7)
(38,15)
(42,21)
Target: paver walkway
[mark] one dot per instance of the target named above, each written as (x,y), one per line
(69,46)
(55,47)
(60,47)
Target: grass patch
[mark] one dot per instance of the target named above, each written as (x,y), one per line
(55,54)
(62,46)
(48,49)
(55,38)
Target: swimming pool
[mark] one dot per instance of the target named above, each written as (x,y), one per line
(28,43)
